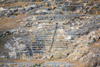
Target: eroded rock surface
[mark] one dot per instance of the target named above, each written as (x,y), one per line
(53,30)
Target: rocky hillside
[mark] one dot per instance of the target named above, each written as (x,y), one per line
(50,33)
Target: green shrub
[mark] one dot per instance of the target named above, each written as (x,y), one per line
(36,65)
(8,32)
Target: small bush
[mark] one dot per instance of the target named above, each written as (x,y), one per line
(36,65)
(52,56)
(1,35)
(8,32)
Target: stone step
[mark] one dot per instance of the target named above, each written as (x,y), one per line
(43,36)
(44,39)
(37,49)
(22,51)
(37,46)
(73,5)
(60,46)
(38,52)
(46,47)
(57,64)
(60,49)
(40,46)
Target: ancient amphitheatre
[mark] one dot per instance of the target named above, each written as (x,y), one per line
(49,33)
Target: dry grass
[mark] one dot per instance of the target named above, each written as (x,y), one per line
(10,23)
(7,24)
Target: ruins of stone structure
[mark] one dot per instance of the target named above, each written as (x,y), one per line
(50,30)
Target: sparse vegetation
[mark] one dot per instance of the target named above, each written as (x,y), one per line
(51,56)
(36,65)
(8,32)
(1,35)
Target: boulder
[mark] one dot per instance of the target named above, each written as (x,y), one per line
(23,11)
(13,10)
(59,1)
(13,55)
(68,38)
(42,12)
(30,7)
(9,13)
(23,56)
(47,4)
(28,24)
(66,3)
(2,13)
(2,9)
